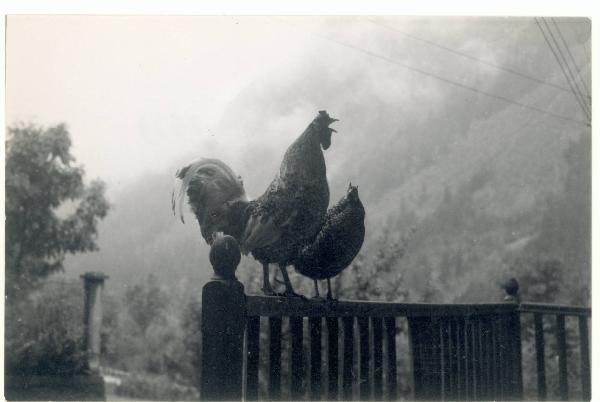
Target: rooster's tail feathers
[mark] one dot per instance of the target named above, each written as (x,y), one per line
(213,182)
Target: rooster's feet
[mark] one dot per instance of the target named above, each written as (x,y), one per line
(291,293)
(269,292)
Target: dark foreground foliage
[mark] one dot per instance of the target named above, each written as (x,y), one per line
(44,333)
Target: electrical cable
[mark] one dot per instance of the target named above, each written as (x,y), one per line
(573,80)
(547,39)
(440,78)
(468,56)
(562,37)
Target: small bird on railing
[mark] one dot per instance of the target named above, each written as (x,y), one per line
(511,287)
(336,244)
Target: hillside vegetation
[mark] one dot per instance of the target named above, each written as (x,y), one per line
(481,185)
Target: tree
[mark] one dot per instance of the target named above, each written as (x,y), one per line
(375,273)
(564,232)
(44,336)
(146,303)
(41,178)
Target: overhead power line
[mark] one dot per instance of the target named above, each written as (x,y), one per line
(440,78)
(470,57)
(577,70)
(574,84)
(553,45)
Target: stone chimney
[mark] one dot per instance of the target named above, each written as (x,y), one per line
(93,283)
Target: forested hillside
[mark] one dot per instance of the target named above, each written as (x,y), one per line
(478,188)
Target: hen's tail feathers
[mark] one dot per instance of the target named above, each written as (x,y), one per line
(214,183)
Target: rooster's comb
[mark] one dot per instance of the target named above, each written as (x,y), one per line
(323,115)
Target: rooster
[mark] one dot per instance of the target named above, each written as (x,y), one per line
(278,223)
(336,244)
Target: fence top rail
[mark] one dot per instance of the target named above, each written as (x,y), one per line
(555,309)
(280,307)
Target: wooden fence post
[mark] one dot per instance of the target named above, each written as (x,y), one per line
(222,325)
(515,370)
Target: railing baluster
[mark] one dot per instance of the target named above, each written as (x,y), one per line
(332,357)
(561,341)
(509,374)
(540,356)
(510,385)
(489,359)
(365,384)
(477,372)
(274,358)
(462,366)
(504,354)
(502,351)
(297,331)
(425,335)
(495,358)
(415,333)
(377,358)
(348,374)
(584,347)
(469,360)
(493,375)
(253,350)
(390,334)
(515,360)
(453,361)
(478,342)
(315,358)
(444,358)
(436,372)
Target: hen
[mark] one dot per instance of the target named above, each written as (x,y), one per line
(274,226)
(336,244)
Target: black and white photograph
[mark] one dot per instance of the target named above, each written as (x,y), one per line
(285,207)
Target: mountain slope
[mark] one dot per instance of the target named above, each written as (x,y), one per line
(469,172)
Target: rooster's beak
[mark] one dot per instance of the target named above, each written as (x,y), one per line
(332,120)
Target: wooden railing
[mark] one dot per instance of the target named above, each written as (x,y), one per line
(458,351)
(348,349)
(559,313)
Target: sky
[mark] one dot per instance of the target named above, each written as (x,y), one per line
(139,93)
(114,79)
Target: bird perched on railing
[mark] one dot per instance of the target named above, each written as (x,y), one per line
(511,287)
(336,244)
(274,226)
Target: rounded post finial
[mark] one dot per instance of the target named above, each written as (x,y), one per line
(225,256)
